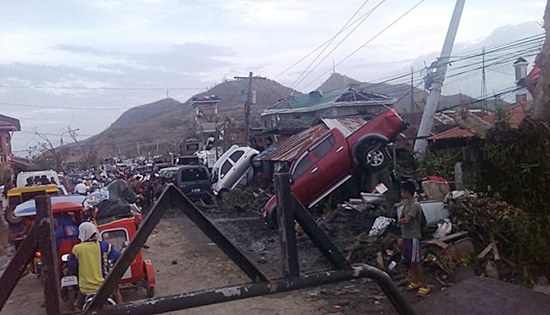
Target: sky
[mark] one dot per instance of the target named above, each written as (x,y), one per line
(81,64)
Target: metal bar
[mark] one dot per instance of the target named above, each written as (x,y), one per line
(287,232)
(320,239)
(230,293)
(17,265)
(46,244)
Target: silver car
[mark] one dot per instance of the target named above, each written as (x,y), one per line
(233,168)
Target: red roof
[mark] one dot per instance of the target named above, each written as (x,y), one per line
(517,113)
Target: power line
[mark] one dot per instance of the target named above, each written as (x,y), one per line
(98,88)
(61,107)
(323,44)
(369,41)
(363,19)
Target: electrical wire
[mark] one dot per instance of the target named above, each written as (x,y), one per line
(303,75)
(369,41)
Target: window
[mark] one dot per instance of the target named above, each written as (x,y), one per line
(324,147)
(117,238)
(193,174)
(225,168)
(304,164)
(236,155)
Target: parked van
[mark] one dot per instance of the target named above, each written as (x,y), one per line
(234,167)
(192,180)
(36,177)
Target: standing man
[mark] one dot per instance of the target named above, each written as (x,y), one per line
(411,233)
(91,258)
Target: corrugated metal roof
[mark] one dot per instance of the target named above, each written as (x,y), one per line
(346,125)
(288,149)
(517,113)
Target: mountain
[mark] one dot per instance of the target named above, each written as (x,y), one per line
(158,128)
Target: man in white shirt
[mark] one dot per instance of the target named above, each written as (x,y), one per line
(81,188)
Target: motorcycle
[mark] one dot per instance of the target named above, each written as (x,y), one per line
(69,284)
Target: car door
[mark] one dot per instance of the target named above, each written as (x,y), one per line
(333,161)
(304,173)
(238,166)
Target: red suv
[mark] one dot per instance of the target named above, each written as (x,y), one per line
(329,162)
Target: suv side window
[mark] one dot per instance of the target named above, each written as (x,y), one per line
(324,147)
(304,164)
(225,168)
(236,155)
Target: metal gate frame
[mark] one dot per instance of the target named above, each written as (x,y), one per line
(289,210)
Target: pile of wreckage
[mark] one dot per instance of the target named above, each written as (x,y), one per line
(455,234)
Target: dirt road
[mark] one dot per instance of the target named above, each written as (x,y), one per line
(186,260)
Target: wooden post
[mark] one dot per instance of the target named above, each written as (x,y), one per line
(46,244)
(285,219)
(17,266)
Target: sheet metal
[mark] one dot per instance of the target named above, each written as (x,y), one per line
(288,149)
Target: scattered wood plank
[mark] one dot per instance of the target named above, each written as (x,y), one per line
(496,254)
(380,260)
(485,251)
(446,238)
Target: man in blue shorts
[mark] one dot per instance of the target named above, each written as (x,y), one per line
(411,233)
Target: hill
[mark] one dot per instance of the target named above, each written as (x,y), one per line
(159,127)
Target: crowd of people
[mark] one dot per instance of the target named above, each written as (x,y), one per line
(142,179)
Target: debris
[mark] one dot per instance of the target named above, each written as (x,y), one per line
(379,260)
(435,190)
(443,229)
(491,270)
(174,262)
(542,286)
(379,226)
(257,246)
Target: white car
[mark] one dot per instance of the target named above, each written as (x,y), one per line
(234,167)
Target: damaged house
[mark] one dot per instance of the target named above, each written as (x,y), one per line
(302,110)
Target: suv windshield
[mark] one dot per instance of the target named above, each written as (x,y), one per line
(192,174)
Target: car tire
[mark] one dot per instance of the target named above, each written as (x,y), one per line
(372,154)
(222,194)
(150,291)
(10,217)
(272,218)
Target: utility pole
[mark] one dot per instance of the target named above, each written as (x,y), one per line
(412,89)
(247,104)
(483,82)
(435,88)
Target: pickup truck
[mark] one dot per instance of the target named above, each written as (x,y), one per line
(332,159)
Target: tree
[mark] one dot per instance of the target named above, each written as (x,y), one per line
(49,151)
(541,89)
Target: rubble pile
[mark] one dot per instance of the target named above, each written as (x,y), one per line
(506,238)
(246,199)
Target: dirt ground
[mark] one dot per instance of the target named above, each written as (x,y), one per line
(186,260)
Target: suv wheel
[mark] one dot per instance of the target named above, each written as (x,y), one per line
(372,154)
(10,216)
